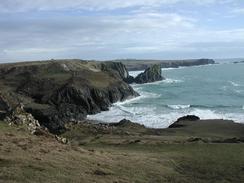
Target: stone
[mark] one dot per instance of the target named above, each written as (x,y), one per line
(61,139)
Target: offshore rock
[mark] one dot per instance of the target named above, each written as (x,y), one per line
(151,74)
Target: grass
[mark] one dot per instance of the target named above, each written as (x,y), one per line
(99,156)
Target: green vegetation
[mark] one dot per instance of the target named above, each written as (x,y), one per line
(129,153)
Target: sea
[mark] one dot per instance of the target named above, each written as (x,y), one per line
(209,91)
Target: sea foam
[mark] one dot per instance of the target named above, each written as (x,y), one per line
(179,106)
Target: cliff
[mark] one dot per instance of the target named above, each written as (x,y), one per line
(57,92)
(134,64)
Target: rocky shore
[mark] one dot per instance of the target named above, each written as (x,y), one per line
(57,92)
(45,136)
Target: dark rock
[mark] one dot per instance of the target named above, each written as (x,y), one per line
(4,107)
(178,123)
(129,80)
(189,118)
(151,74)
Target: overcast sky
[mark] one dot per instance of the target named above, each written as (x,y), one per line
(109,29)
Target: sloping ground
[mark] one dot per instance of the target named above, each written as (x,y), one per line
(56,92)
(125,153)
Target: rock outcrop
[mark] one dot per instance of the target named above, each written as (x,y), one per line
(178,123)
(151,74)
(18,116)
(57,92)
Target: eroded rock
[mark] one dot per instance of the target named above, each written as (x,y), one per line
(151,74)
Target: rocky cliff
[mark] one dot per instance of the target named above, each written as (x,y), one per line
(116,67)
(151,74)
(57,92)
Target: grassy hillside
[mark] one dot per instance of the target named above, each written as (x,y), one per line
(128,153)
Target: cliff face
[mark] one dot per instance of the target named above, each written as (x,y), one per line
(117,67)
(57,92)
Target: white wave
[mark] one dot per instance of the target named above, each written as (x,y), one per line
(143,95)
(168,80)
(150,118)
(239,91)
(234,83)
(166,69)
(206,114)
(179,106)
(135,73)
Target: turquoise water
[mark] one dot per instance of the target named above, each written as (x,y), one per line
(210,92)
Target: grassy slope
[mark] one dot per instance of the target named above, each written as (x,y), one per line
(126,154)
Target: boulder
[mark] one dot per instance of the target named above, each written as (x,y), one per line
(151,74)
(179,121)
(189,118)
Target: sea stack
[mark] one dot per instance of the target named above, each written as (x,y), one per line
(151,74)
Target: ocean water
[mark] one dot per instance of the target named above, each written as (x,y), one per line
(210,92)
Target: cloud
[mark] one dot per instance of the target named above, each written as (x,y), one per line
(238,11)
(145,29)
(50,5)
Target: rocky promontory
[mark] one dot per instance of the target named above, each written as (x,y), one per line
(57,92)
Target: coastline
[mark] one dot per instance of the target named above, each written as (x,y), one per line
(91,151)
(204,112)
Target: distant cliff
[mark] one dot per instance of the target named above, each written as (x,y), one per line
(57,92)
(133,64)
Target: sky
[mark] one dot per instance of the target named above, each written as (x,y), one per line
(120,29)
